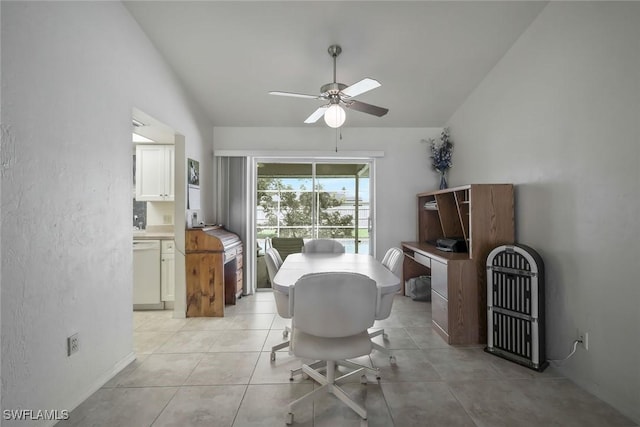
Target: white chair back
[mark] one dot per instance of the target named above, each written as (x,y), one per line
(273,261)
(323,246)
(393,261)
(286,246)
(333,305)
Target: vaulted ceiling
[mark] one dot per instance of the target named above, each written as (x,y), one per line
(428,55)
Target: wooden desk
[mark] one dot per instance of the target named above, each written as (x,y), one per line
(297,265)
(456,298)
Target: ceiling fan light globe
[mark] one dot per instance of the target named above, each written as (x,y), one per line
(335,116)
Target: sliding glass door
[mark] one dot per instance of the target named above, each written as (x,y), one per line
(315,199)
(342,204)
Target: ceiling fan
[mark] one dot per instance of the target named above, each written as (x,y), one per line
(338,96)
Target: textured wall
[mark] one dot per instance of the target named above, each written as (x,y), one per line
(71,74)
(559,117)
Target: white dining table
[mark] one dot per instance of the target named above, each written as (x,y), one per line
(297,265)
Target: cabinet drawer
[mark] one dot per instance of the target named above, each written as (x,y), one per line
(439,278)
(168,246)
(424,260)
(439,311)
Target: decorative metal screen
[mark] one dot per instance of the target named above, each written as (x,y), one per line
(515,303)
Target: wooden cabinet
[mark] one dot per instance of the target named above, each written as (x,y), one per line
(155,173)
(214,262)
(167,271)
(482,215)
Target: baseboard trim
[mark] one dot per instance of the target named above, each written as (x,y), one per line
(98,383)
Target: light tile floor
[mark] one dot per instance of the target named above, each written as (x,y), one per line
(217,372)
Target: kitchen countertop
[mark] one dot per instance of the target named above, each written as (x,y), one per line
(154,233)
(142,235)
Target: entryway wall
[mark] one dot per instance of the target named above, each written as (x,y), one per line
(66,191)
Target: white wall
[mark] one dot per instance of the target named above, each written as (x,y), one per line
(404,171)
(559,117)
(157,211)
(71,74)
(2,139)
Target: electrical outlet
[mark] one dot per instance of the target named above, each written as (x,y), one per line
(583,337)
(73,344)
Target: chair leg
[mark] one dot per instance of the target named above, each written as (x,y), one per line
(319,365)
(353,365)
(339,393)
(328,385)
(381,349)
(278,347)
(378,333)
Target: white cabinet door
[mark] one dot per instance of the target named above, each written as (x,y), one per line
(168,272)
(155,173)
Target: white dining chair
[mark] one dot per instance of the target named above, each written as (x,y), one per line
(323,246)
(392,261)
(331,315)
(274,262)
(286,246)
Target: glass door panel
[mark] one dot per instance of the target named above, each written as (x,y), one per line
(342,204)
(285,201)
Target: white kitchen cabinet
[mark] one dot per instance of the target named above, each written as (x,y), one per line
(168,272)
(155,171)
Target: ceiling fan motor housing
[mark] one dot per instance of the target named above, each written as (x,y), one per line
(331,89)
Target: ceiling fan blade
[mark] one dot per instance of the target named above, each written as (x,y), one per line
(316,114)
(362,86)
(295,95)
(367,108)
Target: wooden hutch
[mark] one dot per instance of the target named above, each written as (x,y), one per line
(482,215)
(214,270)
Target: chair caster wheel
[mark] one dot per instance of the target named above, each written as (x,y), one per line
(289,420)
(285,333)
(273,356)
(363,379)
(364,423)
(392,360)
(385,336)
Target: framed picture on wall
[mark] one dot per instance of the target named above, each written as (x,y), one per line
(193,172)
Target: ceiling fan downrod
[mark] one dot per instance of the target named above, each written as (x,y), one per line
(334,51)
(331,90)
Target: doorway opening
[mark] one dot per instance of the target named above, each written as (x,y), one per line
(158,205)
(311,200)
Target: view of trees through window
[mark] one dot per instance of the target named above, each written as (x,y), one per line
(337,208)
